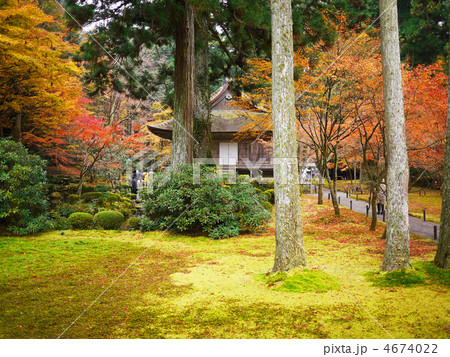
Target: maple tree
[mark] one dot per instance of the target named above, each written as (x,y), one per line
(39,84)
(90,143)
(425,92)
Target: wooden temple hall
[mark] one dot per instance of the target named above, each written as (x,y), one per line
(247,157)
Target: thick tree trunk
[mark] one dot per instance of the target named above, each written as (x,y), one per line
(17,128)
(288,225)
(396,254)
(202,107)
(442,259)
(373,224)
(182,140)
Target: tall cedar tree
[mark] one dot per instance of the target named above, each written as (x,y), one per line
(182,139)
(288,225)
(396,255)
(442,259)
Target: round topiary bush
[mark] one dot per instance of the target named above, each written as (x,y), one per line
(55,196)
(89,196)
(23,190)
(270,195)
(268,206)
(81,220)
(72,199)
(109,219)
(134,223)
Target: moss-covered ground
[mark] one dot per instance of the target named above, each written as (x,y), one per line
(194,287)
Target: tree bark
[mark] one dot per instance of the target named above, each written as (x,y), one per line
(288,224)
(182,139)
(202,107)
(442,259)
(320,192)
(396,254)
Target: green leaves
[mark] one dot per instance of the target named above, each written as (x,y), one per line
(180,204)
(23,190)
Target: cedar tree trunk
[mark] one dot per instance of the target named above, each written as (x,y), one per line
(288,225)
(396,254)
(184,88)
(442,255)
(202,107)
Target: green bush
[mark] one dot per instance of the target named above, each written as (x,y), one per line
(179,204)
(270,195)
(101,188)
(109,219)
(55,196)
(113,197)
(89,196)
(82,206)
(258,190)
(271,185)
(69,189)
(268,206)
(131,196)
(148,225)
(64,210)
(134,223)
(86,189)
(71,199)
(23,190)
(81,220)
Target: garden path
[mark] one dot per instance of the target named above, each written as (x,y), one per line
(417,226)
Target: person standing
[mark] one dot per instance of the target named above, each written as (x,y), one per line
(381,198)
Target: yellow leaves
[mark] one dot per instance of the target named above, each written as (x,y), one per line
(38,76)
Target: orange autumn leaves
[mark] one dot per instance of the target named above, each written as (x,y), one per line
(37,76)
(344,85)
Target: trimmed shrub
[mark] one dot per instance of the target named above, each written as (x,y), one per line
(211,207)
(101,188)
(270,195)
(55,196)
(268,206)
(71,199)
(23,190)
(113,197)
(258,190)
(271,185)
(109,219)
(134,223)
(81,220)
(89,196)
(131,196)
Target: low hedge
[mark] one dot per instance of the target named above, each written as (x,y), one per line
(109,219)
(81,220)
(89,196)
